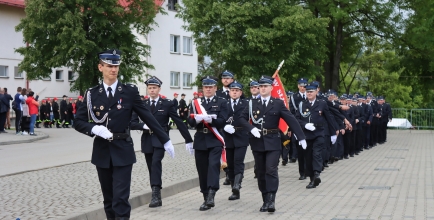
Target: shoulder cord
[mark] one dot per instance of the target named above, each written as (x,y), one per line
(259,121)
(293,103)
(90,112)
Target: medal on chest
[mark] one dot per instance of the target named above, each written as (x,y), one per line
(119,106)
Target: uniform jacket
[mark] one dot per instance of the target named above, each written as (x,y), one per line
(56,109)
(357,115)
(219,107)
(164,110)
(241,137)
(127,98)
(349,115)
(181,107)
(367,109)
(320,116)
(225,95)
(271,115)
(295,99)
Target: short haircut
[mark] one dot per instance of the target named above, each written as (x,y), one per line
(19,89)
(31,93)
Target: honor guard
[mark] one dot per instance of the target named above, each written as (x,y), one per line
(109,106)
(385,113)
(313,115)
(367,125)
(296,98)
(162,109)
(374,124)
(227,79)
(236,139)
(254,89)
(265,114)
(359,131)
(183,109)
(208,115)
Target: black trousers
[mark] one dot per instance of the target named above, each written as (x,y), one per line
(235,158)
(313,155)
(153,160)
(266,170)
(382,131)
(300,157)
(374,134)
(208,167)
(2,121)
(290,151)
(18,115)
(326,150)
(115,185)
(340,145)
(359,140)
(367,135)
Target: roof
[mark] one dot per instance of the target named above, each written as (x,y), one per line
(14,3)
(20,3)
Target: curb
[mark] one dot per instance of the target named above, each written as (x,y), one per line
(37,138)
(140,199)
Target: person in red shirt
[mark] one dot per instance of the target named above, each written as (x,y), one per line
(33,111)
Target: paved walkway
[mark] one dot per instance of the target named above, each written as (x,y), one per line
(404,164)
(390,181)
(11,138)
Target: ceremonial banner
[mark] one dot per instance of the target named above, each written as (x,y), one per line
(279,92)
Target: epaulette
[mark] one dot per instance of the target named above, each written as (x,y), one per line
(130,85)
(93,87)
(221,97)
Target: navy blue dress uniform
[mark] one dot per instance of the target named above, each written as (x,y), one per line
(114,157)
(265,114)
(224,92)
(375,121)
(349,137)
(289,152)
(64,116)
(386,114)
(367,125)
(358,128)
(315,113)
(162,110)
(207,148)
(296,98)
(236,143)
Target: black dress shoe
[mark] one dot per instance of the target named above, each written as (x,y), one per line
(293,160)
(316,179)
(264,207)
(311,185)
(156,197)
(346,157)
(325,165)
(204,207)
(302,177)
(227,182)
(284,162)
(352,155)
(356,153)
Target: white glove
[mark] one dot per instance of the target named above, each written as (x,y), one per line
(333,139)
(168,146)
(310,127)
(198,118)
(189,148)
(145,127)
(255,132)
(303,144)
(207,118)
(229,128)
(102,131)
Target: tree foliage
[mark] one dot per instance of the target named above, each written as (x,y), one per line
(252,37)
(72,32)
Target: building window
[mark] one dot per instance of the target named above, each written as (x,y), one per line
(174,79)
(59,74)
(186,80)
(3,71)
(171,5)
(70,76)
(174,44)
(17,73)
(187,45)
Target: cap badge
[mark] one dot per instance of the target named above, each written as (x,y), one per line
(114,52)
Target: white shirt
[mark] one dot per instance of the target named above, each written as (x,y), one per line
(267,100)
(113,86)
(302,94)
(210,99)
(156,100)
(312,102)
(236,102)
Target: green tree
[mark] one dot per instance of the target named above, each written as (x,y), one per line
(71,33)
(252,37)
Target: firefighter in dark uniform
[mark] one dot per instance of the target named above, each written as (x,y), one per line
(70,115)
(162,109)
(110,106)
(385,113)
(56,112)
(296,98)
(265,114)
(254,90)
(183,109)
(368,121)
(43,113)
(313,115)
(209,121)
(375,121)
(361,124)
(64,112)
(236,139)
(358,118)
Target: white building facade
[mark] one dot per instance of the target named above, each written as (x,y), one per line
(173,55)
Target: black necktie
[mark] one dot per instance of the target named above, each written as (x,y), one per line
(153,106)
(235,104)
(110,96)
(264,103)
(207,101)
(304,97)
(311,103)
